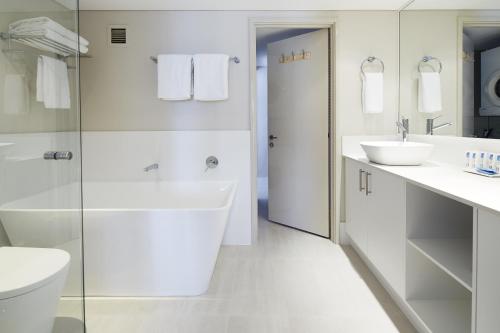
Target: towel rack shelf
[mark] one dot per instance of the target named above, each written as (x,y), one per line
(39,42)
(236,60)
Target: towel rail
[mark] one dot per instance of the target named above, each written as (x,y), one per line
(32,40)
(236,60)
(426,60)
(371,60)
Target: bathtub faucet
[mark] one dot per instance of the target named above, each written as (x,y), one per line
(151,167)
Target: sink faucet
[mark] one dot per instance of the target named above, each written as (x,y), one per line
(151,167)
(430,128)
(404,127)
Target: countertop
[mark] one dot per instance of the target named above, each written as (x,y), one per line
(448,180)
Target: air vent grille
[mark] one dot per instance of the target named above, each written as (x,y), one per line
(118,36)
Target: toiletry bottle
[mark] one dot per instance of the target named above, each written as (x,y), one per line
(467,159)
(497,164)
(473,159)
(480,160)
(490,161)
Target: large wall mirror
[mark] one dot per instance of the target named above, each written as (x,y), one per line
(450,67)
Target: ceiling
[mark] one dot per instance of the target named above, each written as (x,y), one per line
(453,4)
(61,5)
(241,4)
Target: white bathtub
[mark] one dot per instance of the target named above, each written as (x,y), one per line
(153,238)
(140,238)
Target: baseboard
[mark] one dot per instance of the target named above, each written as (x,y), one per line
(343,236)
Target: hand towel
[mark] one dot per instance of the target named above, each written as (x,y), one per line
(429,92)
(373,92)
(16,94)
(52,83)
(211,77)
(175,77)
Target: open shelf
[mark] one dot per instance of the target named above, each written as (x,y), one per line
(453,255)
(444,316)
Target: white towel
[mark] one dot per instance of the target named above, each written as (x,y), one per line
(429,92)
(15,94)
(373,92)
(37,24)
(211,77)
(175,77)
(52,83)
(53,34)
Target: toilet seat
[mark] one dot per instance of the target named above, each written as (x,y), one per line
(24,269)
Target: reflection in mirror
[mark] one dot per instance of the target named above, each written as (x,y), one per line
(450,69)
(481,81)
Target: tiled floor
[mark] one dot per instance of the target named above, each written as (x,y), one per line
(289,281)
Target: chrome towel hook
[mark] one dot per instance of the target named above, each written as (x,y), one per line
(371,60)
(426,61)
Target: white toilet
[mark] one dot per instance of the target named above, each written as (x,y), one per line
(31,282)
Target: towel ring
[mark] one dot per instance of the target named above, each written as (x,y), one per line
(426,60)
(371,60)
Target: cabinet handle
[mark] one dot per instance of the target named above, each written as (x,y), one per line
(361,188)
(368,191)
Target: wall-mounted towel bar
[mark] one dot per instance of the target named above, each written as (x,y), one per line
(236,60)
(371,60)
(426,61)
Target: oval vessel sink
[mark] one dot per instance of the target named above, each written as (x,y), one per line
(397,152)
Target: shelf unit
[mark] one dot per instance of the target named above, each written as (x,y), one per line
(454,256)
(439,260)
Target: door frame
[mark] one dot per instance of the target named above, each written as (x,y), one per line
(463,22)
(293,23)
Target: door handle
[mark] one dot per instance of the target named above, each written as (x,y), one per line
(368,191)
(58,155)
(361,188)
(272,137)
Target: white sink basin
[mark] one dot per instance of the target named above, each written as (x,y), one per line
(397,152)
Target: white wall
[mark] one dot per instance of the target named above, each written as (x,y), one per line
(119,84)
(121,156)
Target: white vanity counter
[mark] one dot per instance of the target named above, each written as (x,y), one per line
(442,177)
(448,180)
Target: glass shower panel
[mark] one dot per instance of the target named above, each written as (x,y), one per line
(40,191)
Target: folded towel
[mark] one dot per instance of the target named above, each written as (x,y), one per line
(175,77)
(41,23)
(51,41)
(429,92)
(211,77)
(373,92)
(15,94)
(52,84)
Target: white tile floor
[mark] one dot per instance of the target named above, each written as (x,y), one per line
(289,281)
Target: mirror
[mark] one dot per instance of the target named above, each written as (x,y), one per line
(450,67)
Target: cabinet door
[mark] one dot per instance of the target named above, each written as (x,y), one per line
(385,226)
(356,203)
(488,273)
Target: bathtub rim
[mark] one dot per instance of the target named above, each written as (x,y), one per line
(227,205)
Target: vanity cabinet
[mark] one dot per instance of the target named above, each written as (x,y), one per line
(488,273)
(375,219)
